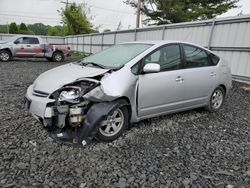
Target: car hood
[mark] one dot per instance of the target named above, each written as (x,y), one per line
(55,78)
(2,42)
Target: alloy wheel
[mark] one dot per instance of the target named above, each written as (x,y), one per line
(217,99)
(4,56)
(112,124)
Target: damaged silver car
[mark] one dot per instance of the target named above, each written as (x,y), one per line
(99,96)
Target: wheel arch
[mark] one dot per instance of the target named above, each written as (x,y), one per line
(129,107)
(7,49)
(60,51)
(224,88)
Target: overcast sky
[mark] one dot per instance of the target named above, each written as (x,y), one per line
(105,13)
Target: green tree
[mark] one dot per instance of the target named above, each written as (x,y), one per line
(175,11)
(39,28)
(3,28)
(76,20)
(13,29)
(56,31)
(23,27)
(24,30)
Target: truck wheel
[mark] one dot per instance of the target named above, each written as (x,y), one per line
(114,125)
(58,57)
(5,55)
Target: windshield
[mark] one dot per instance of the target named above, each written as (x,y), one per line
(117,56)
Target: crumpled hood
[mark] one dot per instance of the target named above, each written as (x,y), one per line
(55,78)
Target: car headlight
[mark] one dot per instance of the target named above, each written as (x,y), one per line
(70,94)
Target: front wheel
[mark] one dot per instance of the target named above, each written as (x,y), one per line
(58,57)
(114,125)
(216,99)
(5,55)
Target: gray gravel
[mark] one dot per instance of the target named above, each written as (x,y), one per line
(188,149)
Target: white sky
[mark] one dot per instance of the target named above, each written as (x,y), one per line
(105,13)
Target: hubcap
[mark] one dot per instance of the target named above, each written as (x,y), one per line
(58,57)
(4,56)
(217,99)
(113,123)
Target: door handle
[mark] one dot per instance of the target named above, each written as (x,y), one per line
(213,74)
(28,45)
(179,79)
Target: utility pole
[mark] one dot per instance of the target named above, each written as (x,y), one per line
(67,2)
(138,14)
(8,31)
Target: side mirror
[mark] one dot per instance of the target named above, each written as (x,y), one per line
(151,68)
(16,42)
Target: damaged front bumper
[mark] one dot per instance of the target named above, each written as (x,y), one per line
(69,124)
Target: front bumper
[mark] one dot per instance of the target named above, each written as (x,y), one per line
(42,108)
(38,106)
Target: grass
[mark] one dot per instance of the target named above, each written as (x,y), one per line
(75,56)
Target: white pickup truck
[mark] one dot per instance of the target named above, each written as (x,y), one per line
(31,47)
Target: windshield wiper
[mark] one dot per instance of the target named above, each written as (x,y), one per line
(92,63)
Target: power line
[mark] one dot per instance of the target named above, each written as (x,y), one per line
(112,10)
(26,16)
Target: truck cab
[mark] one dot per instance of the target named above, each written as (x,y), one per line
(27,46)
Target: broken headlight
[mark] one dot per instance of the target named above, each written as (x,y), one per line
(73,93)
(70,94)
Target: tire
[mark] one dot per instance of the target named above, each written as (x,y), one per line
(5,55)
(58,57)
(106,132)
(216,100)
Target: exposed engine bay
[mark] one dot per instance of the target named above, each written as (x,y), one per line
(74,119)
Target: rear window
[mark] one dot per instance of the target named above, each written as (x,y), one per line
(33,41)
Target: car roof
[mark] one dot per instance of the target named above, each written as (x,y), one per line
(162,42)
(159,42)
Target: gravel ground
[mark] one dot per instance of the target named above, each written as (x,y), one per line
(189,149)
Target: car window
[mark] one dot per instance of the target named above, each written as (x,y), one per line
(24,40)
(168,57)
(215,59)
(33,41)
(195,57)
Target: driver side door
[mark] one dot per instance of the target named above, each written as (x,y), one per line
(163,91)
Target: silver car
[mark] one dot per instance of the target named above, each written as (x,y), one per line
(99,96)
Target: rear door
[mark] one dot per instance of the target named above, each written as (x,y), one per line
(163,91)
(200,75)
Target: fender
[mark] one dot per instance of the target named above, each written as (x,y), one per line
(96,114)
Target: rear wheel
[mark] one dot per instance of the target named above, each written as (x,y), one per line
(58,57)
(114,125)
(5,55)
(216,99)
